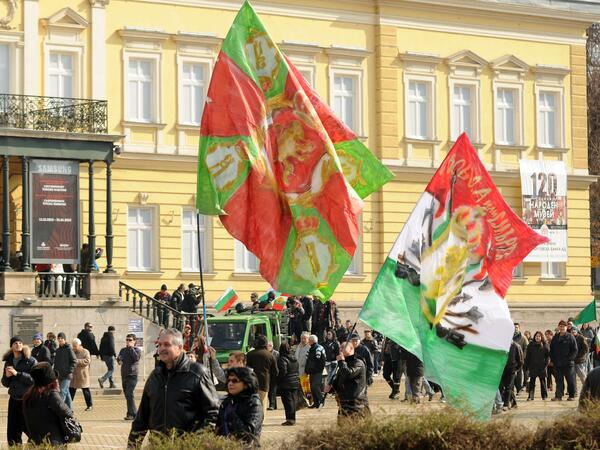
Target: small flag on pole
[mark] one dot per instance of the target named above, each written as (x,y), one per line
(226,300)
(587,314)
(279,303)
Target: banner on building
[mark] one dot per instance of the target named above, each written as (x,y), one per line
(544,192)
(54,187)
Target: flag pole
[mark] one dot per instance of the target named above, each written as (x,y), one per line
(202,292)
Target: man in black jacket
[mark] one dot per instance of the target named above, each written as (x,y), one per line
(363,353)
(509,375)
(64,364)
(350,384)
(315,364)
(40,352)
(88,340)
(129,359)
(108,355)
(392,368)
(179,394)
(563,350)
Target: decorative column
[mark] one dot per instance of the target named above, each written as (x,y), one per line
(31,47)
(91,226)
(99,48)
(25,234)
(109,228)
(5,217)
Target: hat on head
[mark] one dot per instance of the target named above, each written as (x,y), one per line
(61,335)
(38,336)
(15,339)
(562,323)
(43,374)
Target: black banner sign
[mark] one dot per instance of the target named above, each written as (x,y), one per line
(54,188)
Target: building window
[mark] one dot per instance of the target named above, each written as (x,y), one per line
(193,92)
(189,241)
(463,111)
(140,86)
(554,270)
(245,261)
(519,271)
(345,99)
(140,239)
(418,107)
(308,74)
(60,75)
(548,119)
(507,116)
(4,69)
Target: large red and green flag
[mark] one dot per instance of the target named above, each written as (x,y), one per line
(225,302)
(286,177)
(440,293)
(587,314)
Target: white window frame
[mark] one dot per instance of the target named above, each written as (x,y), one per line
(156,60)
(76,53)
(241,252)
(475,86)
(430,106)
(559,122)
(154,239)
(205,240)
(518,108)
(358,112)
(553,270)
(308,72)
(207,66)
(14,66)
(519,271)
(73,75)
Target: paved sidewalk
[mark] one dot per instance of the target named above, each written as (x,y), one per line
(104,427)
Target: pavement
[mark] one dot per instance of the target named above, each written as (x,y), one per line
(104,427)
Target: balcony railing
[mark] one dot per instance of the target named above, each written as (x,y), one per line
(61,285)
(72,115)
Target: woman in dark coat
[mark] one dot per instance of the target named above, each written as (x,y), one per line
(288,382)
(241,413)
(44,408)
(536,363)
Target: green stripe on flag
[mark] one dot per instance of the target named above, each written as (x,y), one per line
(587,314)
(226,300)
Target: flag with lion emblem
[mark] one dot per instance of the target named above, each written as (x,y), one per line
(440,293)
(286,177)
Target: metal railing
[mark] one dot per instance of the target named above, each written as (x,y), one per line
(61,284)
(155,310)
(73,115)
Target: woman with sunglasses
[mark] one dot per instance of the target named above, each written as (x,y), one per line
(241,413)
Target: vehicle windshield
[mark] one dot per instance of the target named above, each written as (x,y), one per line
(226,335)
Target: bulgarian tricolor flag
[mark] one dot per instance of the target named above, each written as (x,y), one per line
(440,291)
(286,177)
(228,298)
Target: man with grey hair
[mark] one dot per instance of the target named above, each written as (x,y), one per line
(178,396)
(302,352)
(315,364)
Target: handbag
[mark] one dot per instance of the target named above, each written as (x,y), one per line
(71,430)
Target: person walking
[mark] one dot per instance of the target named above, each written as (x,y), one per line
(273,382)
(551,373)
(315,364)
(39,351)
(522,342)
(350,384)
(581,358)
(64,364)
(302,351)
(129,359)
(265,366)
(241,413)
(509,375)
(370,343)
(563,350)
(17,378)
(81,375)
(288,382)
(392,369)
(536,363)
(362,352)
(43,408)
(332,349)
(108,355)
(178,395)
(88,340)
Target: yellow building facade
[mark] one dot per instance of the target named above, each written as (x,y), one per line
(407,76)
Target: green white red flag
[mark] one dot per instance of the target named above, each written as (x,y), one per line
(440,291)
(227,300)
(286,177)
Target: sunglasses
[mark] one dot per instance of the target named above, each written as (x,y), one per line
(233,380)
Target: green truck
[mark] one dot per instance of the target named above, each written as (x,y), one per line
(236,331)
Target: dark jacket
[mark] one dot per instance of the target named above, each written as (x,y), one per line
(43,417)
(391,350)
(64,362)
(107,344)
(288,378)
(414,366)
(350,384)
(332,349)
(315,361)
(563,350)
(52,346)
(176,300)
(537,359)
(591,388)
(41,353)
(241,417)
(265,366)
(88,341)
(521,341)
(183,398)
(129,357)
(372,345)
(17,385)
(514,362)
(363,353)
(307,305)
(582,349)
(190,303)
